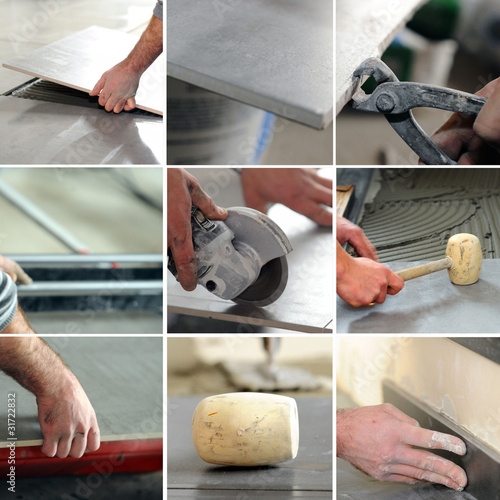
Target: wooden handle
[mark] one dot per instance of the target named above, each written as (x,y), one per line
(430,267)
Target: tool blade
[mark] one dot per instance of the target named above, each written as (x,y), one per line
(269,285)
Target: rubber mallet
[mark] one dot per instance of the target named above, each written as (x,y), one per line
(463,261)
(246,429)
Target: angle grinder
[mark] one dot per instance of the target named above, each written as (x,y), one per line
(242,258)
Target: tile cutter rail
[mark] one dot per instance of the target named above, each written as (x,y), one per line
(101,282)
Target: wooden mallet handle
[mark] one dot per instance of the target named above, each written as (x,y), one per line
(422,270)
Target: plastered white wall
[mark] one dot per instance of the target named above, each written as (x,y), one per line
(448,377)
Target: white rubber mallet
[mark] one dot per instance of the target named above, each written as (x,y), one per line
(246,429)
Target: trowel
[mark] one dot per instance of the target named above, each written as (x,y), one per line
(242,259)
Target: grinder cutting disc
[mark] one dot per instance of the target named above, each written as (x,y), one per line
(269,285)
(241,258)
(259,235)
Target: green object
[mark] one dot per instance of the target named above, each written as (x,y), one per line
(437,19)
(400,59)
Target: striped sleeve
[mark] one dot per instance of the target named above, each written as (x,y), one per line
(158,10)
(8,300)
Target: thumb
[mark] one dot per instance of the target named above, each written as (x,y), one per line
(130,104)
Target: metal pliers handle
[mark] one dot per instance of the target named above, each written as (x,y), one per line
(395,100)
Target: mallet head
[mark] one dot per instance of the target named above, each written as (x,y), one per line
(246,429)
(466,256)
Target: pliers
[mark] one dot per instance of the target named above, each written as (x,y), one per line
(395,100)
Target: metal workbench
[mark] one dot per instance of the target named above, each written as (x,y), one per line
(309,475)
(277,56)
(430,304)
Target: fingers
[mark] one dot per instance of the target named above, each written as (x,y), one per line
(319,193)
(22,277)
(201,200)
(49,447)
(395,284)
(396,412)
(429,467)
(98,86)
(328,183)
(425,438)
(15,271)
(363,246)
(487,124)
(183,253)
(314,211)
(79,445)
(381,296)
(74,445)
(130,105)
(399,478)
(417,474)
(93,439)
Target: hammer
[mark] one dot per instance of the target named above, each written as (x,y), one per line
(246,429)
(463,261)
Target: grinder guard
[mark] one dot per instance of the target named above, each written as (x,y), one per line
(242,258)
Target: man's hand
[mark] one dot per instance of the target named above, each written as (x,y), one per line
(67,419)
(14,270)
(117,86)
(379,440)
(474,141)
(347,232)
(300,189)
(184,191)
(362,281)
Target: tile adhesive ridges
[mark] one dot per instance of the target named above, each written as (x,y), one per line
(417,210)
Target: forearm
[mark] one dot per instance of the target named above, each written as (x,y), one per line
(19,323)
(33,363)
(148,48)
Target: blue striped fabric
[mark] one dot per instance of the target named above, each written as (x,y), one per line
(8,300)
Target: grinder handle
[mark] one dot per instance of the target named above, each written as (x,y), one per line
(422,270)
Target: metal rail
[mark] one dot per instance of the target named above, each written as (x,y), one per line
(61,260)
(63,288)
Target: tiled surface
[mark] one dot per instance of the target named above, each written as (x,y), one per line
(78,61)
